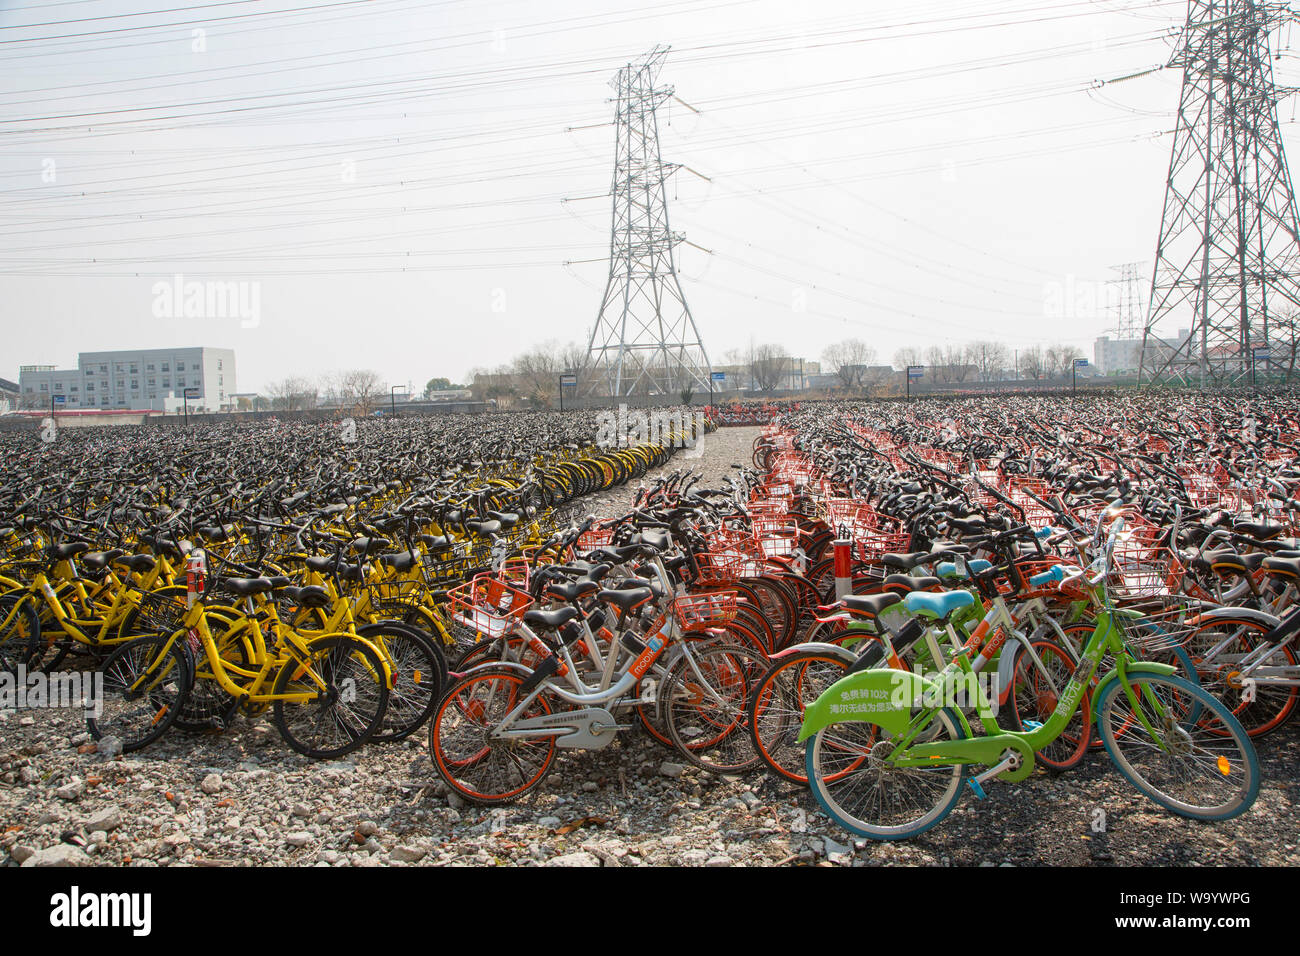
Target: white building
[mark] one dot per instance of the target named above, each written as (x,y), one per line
(141,379)
(1124,356)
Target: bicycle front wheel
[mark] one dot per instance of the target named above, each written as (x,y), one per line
(1204,767)
(850,775)
(343,714)
(20,631)
(705,703)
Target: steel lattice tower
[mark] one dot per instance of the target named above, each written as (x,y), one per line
(1227,259)
(645,340)
(1128,310)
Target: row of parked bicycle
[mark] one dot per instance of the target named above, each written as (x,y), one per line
(946,595)
(310,582)
(895,603)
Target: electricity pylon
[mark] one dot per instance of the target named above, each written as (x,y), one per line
(645,341)
(1228,255)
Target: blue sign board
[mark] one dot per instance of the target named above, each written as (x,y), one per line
(60,399)
(719,376)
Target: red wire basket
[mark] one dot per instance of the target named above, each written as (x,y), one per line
(728,567)
(515,571)
(871,546)
(1143,568)
(593,538)
(488,605)
(695,611)
(777,536)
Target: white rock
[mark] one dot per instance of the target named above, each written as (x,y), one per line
(581,858)
(548,823)
(20,853)
(408,854)
(719,860)
(211,784)
(109,746)
(62,854)
(694,857)
(297,838)
(110,818)
(71,790)
(670,769)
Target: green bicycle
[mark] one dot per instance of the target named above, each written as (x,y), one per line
(887,751)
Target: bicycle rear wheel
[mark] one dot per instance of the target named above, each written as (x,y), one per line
(849,774)
(146,682)
(481,769)
(1034,696)
(417,678)
(777,705)
(1205,768)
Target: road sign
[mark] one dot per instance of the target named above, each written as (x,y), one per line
(915,373)
(569,381)
(1080,363)
(60,399)
(192,393)
(718,377)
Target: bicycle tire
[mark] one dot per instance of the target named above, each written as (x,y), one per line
(480,770)
(704,707)
(1033,697)
(837,754)
(416,678)
(342,718)
(1224,761)
(145,682)
(20,632)
(777,705)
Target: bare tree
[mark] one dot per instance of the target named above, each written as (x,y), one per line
(768,367)
(954,358)
(538,373)
(292,395)
(940,371)
(904,357)
(989,359)
(359,389)
(849,360)
(1060,358)
(1033,363)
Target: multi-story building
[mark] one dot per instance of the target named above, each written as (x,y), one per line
(154,379)
(1124,356)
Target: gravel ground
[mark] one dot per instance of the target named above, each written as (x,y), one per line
(243,797)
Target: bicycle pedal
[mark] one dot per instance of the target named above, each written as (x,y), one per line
(977,789)
(1032,725)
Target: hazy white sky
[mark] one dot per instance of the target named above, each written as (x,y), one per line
(418,186)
